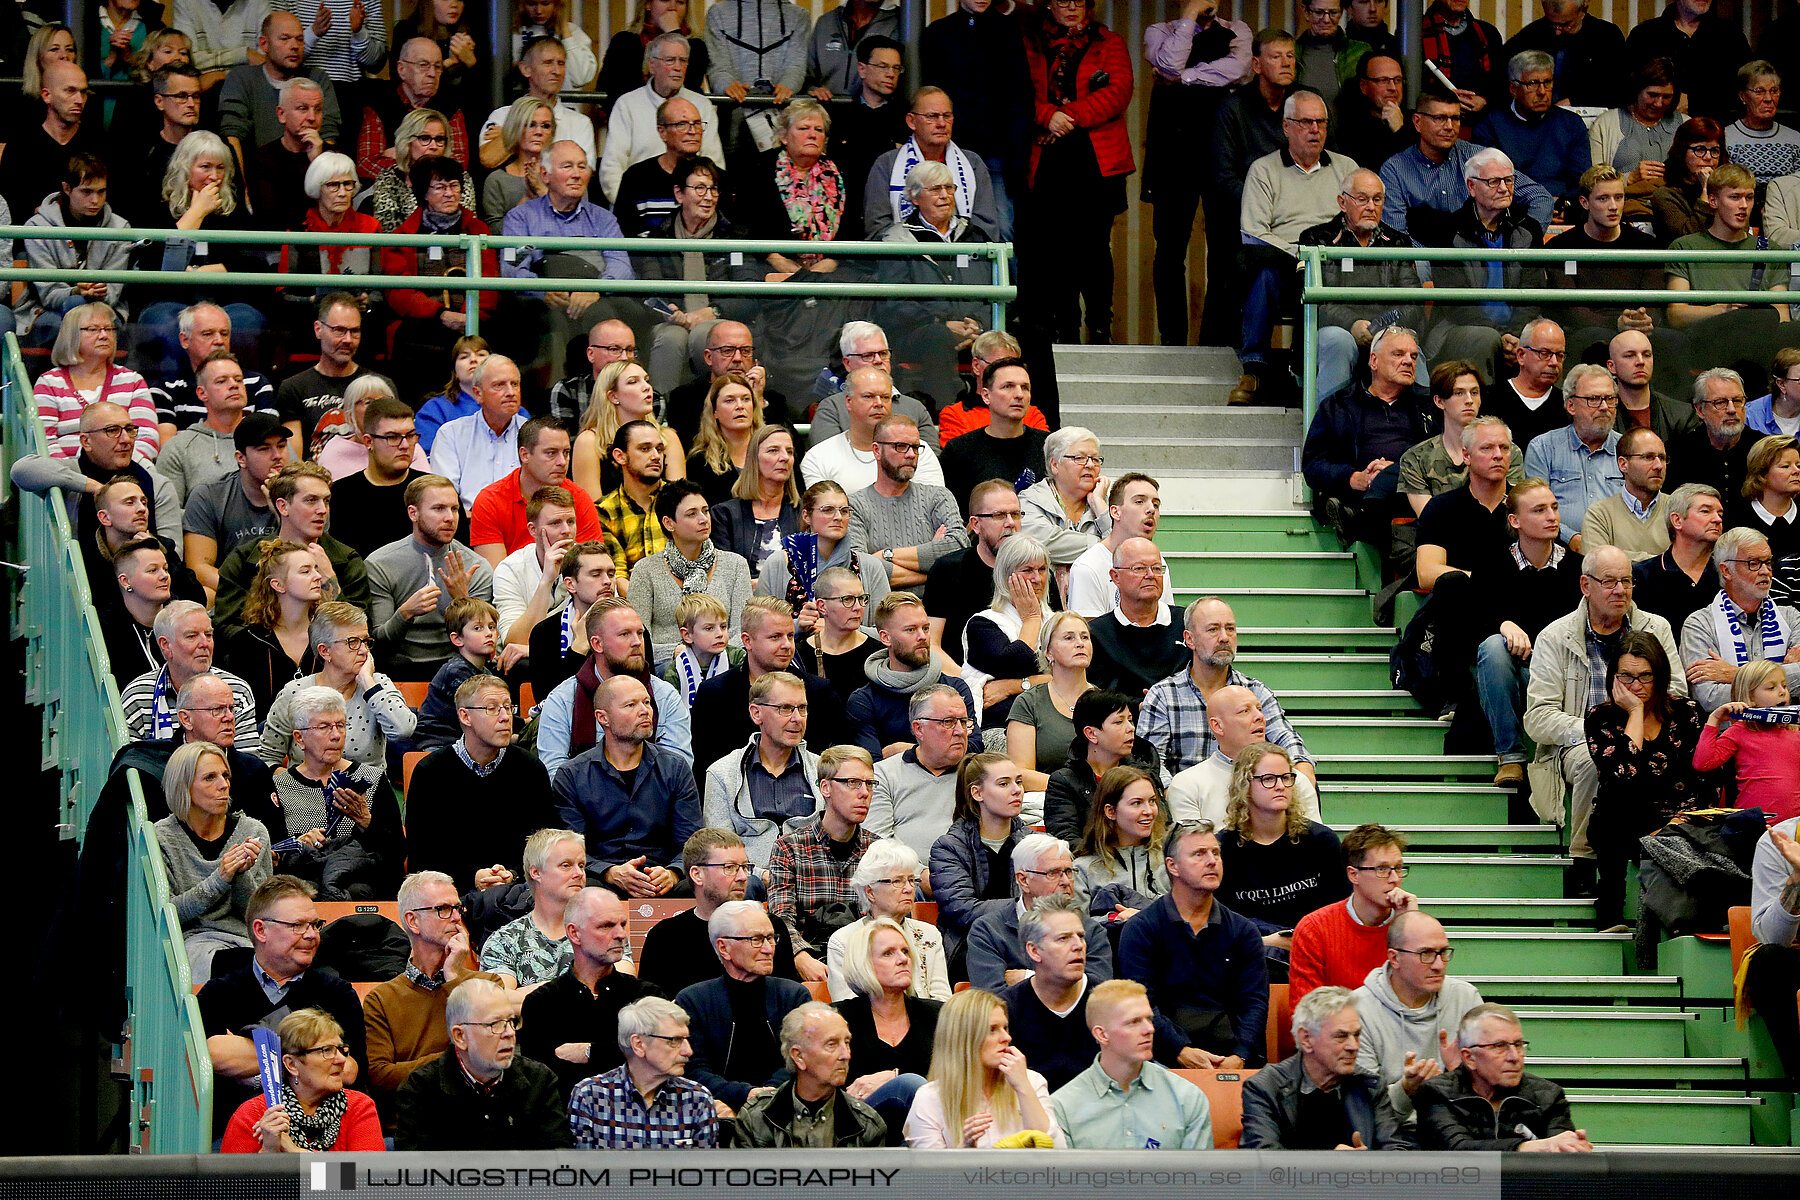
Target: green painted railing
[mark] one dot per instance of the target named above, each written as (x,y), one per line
(68,674)
(1314,292)
(996,294)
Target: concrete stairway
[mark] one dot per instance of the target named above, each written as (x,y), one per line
(1649,1057)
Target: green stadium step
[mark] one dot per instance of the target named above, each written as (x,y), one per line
(1252,522)
(1461,768)
(1478,875)
(1406,805)
(1613,1032)
(1672,1072)
(1708,1118)
(1285,673)
(1354,638)
(1516,952)
(1395,736)
(1380,701)
(1335,607)
(1208,569)
(1247,541)
(1500,839)
(1485,911)
(1607,988)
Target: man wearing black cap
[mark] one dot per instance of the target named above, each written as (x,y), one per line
(235,508)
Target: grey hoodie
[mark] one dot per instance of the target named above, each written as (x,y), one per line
(63,255)
(1390,1029)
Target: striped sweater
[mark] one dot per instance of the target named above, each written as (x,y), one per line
(59,407)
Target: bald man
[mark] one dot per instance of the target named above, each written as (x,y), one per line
(1344,329)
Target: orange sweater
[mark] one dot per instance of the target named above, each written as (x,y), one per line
(1329,949)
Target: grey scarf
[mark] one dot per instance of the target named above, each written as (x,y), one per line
(692,575)
(904,682)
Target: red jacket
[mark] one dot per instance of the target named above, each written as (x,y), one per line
(1101,113)
(425,305)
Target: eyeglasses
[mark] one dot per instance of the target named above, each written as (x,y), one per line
(1438,118)
(113,431)
(1309,122)
(1635,676)
(181,97)
(1151,571)
(1611,583)
(1553,355)
(1596,402)
(1764,93)
(329,727)
(396,439)
(674,1039)
(1755,566)
(1085,460)
(1536,85)
(700,189)
(1431,955)
(430,68)
(901,882)
(1056,873)
(785,710)
(315,925)
(503,1025)
(354,643)
(1385,872)
(1284,778)
(854,783)
(1498,182)
(901,447)
(861,600)
(434,139)
(1705,151)
(621,351)
(1366,201)
(1008,514)
(1521,1046)
(683,127)
(732,351)
(729,868)
(492,710)
(1385,79)
(96,329)
(216,710)
(830,510)
(445,187)
(949,723)
(340,330)
(1724,402)
(873,355)
(333,1051)
(442,912)
(755,939)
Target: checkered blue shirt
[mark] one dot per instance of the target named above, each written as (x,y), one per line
(606,1112)
(1173,719)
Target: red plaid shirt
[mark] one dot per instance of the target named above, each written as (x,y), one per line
(804,875)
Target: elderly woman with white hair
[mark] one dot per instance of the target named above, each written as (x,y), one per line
(1066,510)
(351,845)
(424,133)
(892,1025)
(344,452)
(376,711)
(931,330)
(331,184)
(1000,655)
(214,857)
(886,884)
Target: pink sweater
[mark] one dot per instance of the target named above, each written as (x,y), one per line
(1768,765)
(59,407)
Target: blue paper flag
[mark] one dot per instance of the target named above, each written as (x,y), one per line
(268,1063)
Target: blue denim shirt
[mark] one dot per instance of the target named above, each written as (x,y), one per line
(1577,475)
(1414,181)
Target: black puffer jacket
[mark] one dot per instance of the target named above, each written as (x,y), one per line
(1453,1117)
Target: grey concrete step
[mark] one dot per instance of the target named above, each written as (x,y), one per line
(1184,420)
(1185,390)
(1156,360)
(1200,453)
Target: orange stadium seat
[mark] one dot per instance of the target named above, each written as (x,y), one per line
(414,693)
(1225,1097)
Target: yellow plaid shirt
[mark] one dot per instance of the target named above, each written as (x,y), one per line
(631,532)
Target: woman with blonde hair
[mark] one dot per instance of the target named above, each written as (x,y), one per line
(1279,865)
(424,133)
(822,543)
(886,884)
(527,131)
(891,1025)
(763,507)
(731,413)
(621,394)
(215,858)
(317,1114)
(1121,868)
(272,644)
(1040,728)
(85,373)
(980,1090)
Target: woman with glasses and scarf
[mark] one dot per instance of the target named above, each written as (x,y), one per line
(352,846)
(316,1114)
(376,710)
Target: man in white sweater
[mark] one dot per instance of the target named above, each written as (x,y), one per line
(631,131)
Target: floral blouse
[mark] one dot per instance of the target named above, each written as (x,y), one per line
(1644,788)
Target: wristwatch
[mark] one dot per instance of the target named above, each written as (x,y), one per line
(887,556)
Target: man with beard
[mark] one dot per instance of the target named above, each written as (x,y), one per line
(677,951)
(413,582)
(628,512)
(1715,451)
(568,720)
(878,712)
(906,523)
(1174,717)
(1582,457)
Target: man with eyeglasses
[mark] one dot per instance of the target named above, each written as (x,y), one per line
(1371,117)
(1544,139)
(1742,624)
(108,435)
(1428,177)
(730,349)
(848,458)
(500,521)
(1411,1009)
(300,494)
(1135,505)
(1339,945)
(906,523)
(307,396)
(635,130)
(278,980)
(414,580)
(1581,459)
(1706,46)
(419,70)
(405,1015)
(1636,518)
(377,493)
(251,92)
(1568,678)
(646,1104)
(834,50)
(484,1094)
(478,782)
(646,192)
(721,708)
(997,957)
(958,581)
(1202,791)
(677,952)
(1285,194)
(1458,1110)
(1716,450)
(1245,127)
(184,635)
(275,171)
(761,789)
(1325,55)
(609,341)
(1137,641)
(884,199)
(1346,330)
(568,1021)
(1586,52)
(811,865)
(863,345)
(915,788)
(175,92)
(733,1017)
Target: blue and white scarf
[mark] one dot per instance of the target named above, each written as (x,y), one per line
(162,708)
(1729,631)
(687,669)
(910,157)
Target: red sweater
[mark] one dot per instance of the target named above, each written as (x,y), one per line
(1331,949)
(359,1130)
(425,305)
